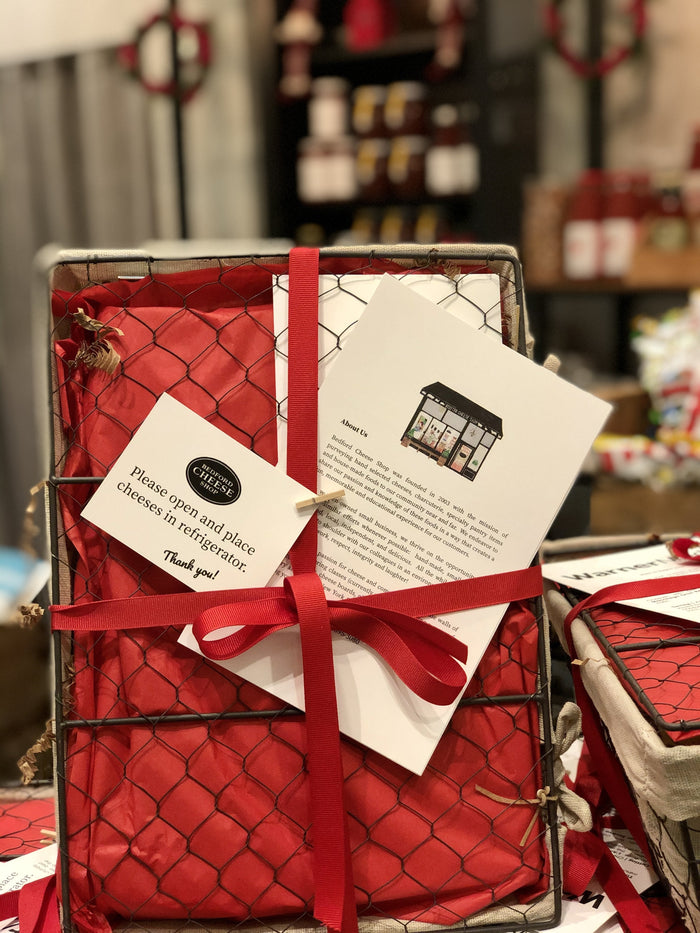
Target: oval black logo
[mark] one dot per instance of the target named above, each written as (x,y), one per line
(213,480)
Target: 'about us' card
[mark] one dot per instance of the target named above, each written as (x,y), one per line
(455,454)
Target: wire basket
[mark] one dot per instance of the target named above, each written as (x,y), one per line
(641,672)
(182,791)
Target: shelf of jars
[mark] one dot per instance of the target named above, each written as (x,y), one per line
(375,130)
(401,222)
(385,163)
(395,131)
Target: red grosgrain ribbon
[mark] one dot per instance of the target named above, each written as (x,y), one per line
(334,891)
(36,905)
(588,854)
(9,905)
(334,900)
(180,609)
(302,402)
(391,623)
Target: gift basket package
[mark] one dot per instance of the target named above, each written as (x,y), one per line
(193,793)
(635,645)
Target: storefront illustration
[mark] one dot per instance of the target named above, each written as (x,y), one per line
(453,430)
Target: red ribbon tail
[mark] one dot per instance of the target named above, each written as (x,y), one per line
(334,901)
(38,906)
(587,855)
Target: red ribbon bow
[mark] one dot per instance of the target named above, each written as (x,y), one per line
(421,654)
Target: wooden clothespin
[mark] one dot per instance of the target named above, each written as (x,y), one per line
(321,497)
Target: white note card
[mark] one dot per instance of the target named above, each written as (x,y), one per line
(195,502)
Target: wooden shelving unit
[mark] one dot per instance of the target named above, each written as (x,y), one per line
(499,90)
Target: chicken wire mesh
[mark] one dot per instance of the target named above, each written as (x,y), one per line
(182,790)
(675,846)
(658,660)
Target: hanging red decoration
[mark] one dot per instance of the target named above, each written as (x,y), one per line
(192,67)
(596,68)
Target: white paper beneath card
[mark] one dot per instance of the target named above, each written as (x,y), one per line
(590,574)
(474,298)
(405,521)
(195,502)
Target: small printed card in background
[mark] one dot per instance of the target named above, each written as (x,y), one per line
(195,502)
(592,573)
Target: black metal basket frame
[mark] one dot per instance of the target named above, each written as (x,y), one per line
(422,257)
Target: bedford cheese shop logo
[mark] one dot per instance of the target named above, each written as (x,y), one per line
(213,481)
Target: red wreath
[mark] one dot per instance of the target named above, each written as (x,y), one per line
(130,57)
(585,68)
